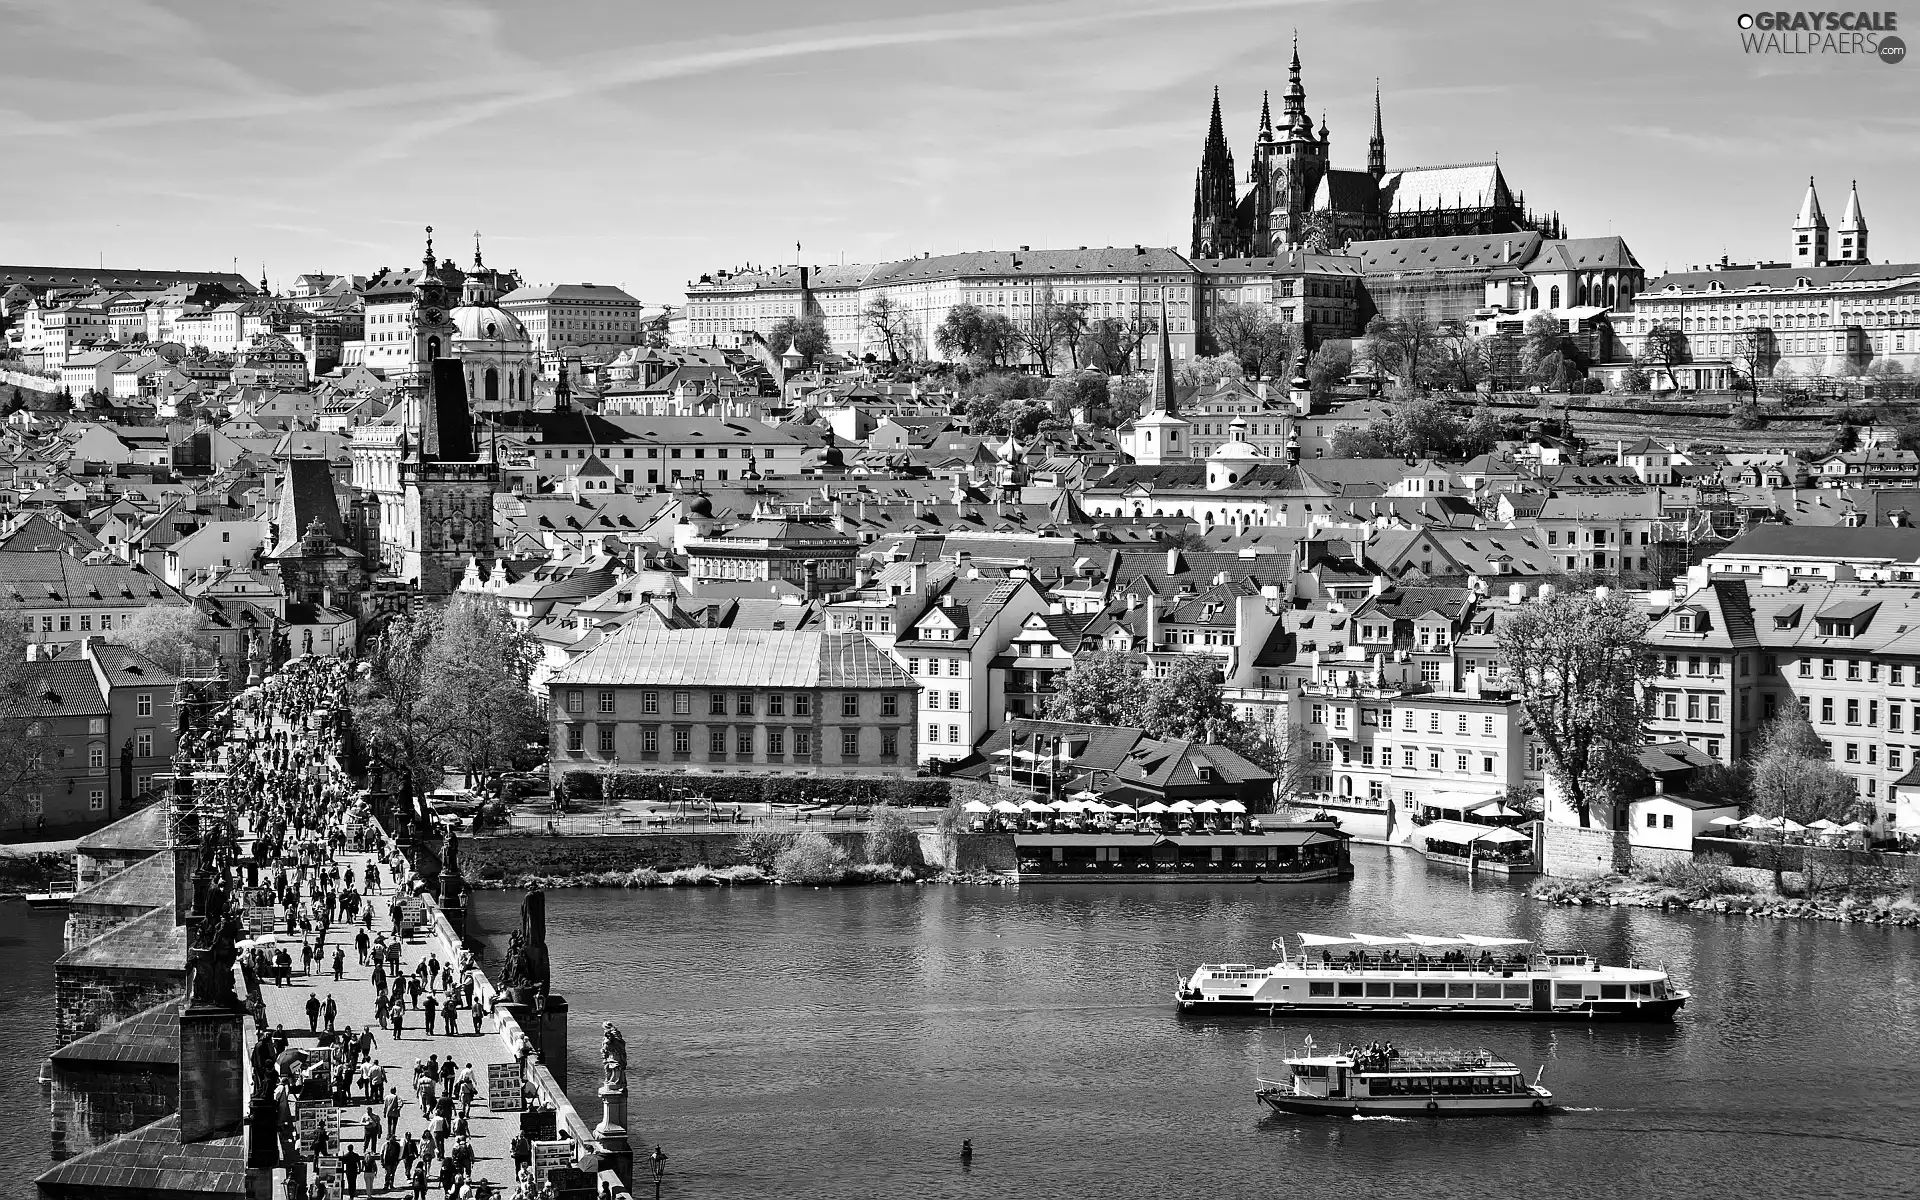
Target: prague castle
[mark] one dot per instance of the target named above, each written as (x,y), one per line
(1293,197)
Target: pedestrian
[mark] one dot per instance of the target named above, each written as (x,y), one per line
(521,1149)
(390,1160)
(432,1005)
(448,1016)
(398,1015)
(367,1166)
(413,991)
(332,1010)
(370,1128)
(361,943)
(409,1152)
(391,1107)
(438,1128)
(449,1175)
(476,1012)
(350,1170)
(418,1174)
(313,1012)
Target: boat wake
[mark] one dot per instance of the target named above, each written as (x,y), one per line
(1401,1120)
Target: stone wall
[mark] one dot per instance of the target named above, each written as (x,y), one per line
(88,999)
(494,858)
(92,1107)
(1569,850)
(967,853)
(93,867)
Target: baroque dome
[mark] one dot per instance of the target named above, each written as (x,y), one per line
(485,323)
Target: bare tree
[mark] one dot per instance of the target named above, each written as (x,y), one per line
(1048,325)
(1264,346)
(888,321)
(1665,346)
(175,637)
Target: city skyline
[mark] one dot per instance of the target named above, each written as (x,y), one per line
(666,150)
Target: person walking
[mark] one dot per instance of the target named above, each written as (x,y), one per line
(418,1176)
(397,1013)
(350,1170)
(313,1012)
(432,1005)
(368,1164)
(360,943)
(332,1010)
(390,1160)
(448,1016)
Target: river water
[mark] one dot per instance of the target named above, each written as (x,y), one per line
(842,1042)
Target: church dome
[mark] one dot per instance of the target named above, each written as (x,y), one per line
(700,506)
(1235,451)
(485,323)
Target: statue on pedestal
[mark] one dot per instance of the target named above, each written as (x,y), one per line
(533,940)
(613,1056)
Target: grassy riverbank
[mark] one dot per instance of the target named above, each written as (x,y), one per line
(1703,891)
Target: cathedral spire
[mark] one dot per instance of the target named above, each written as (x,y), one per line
(427,259)
(1216,194)
(1161,399)
(476,251)
(1377,144)
(1266,120)
(1297,121)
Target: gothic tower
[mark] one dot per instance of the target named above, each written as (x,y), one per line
(1303,163)
(1851,233)
(1810,231)
(1377,144)
(1214,232)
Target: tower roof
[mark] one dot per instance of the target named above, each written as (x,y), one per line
(1162,398)
(1810,213)
(1853,218)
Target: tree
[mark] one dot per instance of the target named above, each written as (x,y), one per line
(1110,343)
(1329,366)
(1188,702)
(477,668)
(1634,379)
(1085,390)
(174,637)
(1751,348)
(1201,372)
(1049,325)
(1665,346)
(23,764)
(1105,688)
(891,841)
(807,334)
(972,333)
(1402,346)
(1261,345)
(1578,661)
(888,322)
(394,725)
(1459,363)
(811,859)
(1793,778)
(1287,754)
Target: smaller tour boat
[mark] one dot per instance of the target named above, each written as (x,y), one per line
(1380,1080)
(58,895)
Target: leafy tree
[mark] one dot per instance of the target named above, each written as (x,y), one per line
(888,321)
(1664,348)
(16,400)
(1051,325)
(1261,345)
(976,335)
(1105,688)
(1403,347)
(1187,702)
(1329,366)
(175,637)
(811,859)
(1287,754)
(1086,390)
(807,334)
(1109,343)
(1909,437)
(1578,662)
(1459,363)
(477,669)
(23,759)
(1634,379)
(891,841)
(1201,372)
(396,726)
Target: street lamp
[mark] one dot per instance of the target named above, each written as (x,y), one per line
(659,1160)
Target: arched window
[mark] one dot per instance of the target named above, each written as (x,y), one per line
(1346,785)
(1533,297)
(493,386)
(1613,295)
(1553,296)
(1582,293)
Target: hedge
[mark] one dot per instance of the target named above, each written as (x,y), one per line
(664,787)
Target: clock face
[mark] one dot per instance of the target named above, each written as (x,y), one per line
(434,314)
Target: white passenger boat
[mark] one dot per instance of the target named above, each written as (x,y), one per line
(1413,975)
(1382,1080)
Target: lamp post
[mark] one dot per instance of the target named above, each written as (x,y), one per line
(659,1160)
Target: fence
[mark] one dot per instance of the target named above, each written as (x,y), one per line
(1792,856)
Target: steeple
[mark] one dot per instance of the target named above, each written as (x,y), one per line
(1810,231)
(1377,144)
(1215,192)
(1851,233)
(1266,119)
(1299,124)
(267,291)
(477,265)
(1161,399)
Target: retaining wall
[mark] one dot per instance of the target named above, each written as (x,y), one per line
(493,858)
(1568,850)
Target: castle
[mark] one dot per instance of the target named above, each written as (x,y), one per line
(1294,198)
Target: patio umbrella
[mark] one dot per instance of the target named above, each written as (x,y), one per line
(1754,821)
(1153,806)
(976,806)
(1853,827)
(1725,821)
(1034,806)
(1009,752)
(1006,806)
(1207,806)
(1787,825)
(1499,811)
(1179,806)
(1121,806)
(1083,794)
(1822,824)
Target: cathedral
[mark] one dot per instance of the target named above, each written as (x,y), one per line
(1293,197)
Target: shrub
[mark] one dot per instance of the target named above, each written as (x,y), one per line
(582,785)
(1701,878)
(892,841)
(811,859)
(761,847)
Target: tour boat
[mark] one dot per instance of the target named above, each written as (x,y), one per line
(1465,975)
(1382,1080)
(59,896)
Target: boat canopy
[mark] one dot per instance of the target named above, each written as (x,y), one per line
(1321,939)
(1374,939)
(1489,942)
(1504,834)
(1423,940)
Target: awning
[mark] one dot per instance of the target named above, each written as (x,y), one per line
(1374,939)
(1502,834)
(1490,942)
(1424,940)
(1321,939)
(1463,833)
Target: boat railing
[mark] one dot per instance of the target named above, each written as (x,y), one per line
(1432,965)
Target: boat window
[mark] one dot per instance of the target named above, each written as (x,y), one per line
(1503,1084)
(1486,991)
(1642,991)
(1433,991)
(1459,991)
(1566,991)
(1613,991)
(1406,989)
(1319,988)
(1379,989)
(1349,989)
(1660,989)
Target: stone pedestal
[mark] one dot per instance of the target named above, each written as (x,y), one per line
(551,1039)
(612,1133)
(212,1073)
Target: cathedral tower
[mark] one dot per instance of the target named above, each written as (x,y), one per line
(1851,233)
(1214,232)
(1302,164)
(1810,231)
(1377,144)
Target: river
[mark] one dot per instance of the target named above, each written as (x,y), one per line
(842,1042)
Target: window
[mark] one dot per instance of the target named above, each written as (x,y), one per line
(776,704)
(1433,722)
(682,703)
(717,704)
(743,704)
(1895,759)
(1433,760)
(1653,821)
(1826,710)
(1486,764)
(1693,664)
(1460,723)
(1896,674)
(1670,705)
(913,666)
(576,735)
(1713,708)
(849,743)
(682,741)
(96,799)
(953,700)
(96,757)
(1853,712)
(649,702)
(1893,718)
(849,704)
(1853,668)
(933,732)
(1693,707)
(1406,758)
(1486,726)
(143,704)
(953,666)
(716,743)
(1713,665)
(776,743)
(143,744)
(1853,752)
(649,741)
(889,705)
(1826,668)
(1406,720)
(605,739)
(1806,668)
(889,743)
(576,701)
(1873,712)
(953,733)
(606,702)
(1460,762)
(802,704)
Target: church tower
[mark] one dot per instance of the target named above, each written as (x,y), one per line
(1214,232)
(1810,231)
(1302,164)
(1377,144)
(1851,233)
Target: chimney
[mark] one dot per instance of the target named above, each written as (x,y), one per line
(1173,562)
(916,578)
(33,652)
(1153,622)
(1516,593)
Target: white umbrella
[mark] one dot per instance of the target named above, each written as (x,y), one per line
(1009,752)
(1232,806)
(1179,806)
(1207,806)
(1725,821)
(1754,821)
(1823,823)
(1121,806)
(1006,806)
(976,806)
(1853,827)
(1153,806)
(1072,806)
(1787,825)
(1033,806)
(1083,794)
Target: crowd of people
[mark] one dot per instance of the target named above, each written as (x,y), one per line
(276,747)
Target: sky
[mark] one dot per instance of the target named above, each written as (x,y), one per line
(644,143)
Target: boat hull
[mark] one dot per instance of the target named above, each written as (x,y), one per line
(1410,1106)
(1597,1010)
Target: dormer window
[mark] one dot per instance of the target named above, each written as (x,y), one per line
(1686,622)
